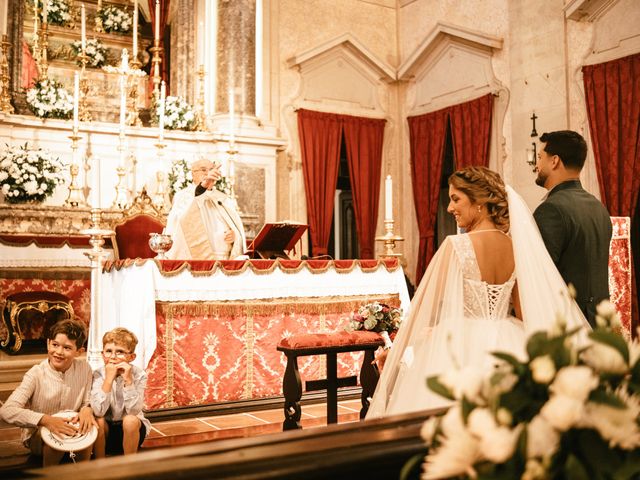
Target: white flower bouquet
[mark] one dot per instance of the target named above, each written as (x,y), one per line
(178,114)
(28,175)
(566,413)
(95,51)
(49,99)
(115,20)
(58,12)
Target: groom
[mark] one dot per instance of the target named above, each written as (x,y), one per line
(575,226)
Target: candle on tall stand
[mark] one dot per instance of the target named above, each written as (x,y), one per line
(135,31)
(232,133)
(45,11)
(76,102)
(163,92)
(388,199)
(83,29)
(156,19)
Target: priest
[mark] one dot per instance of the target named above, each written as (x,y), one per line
(203,222)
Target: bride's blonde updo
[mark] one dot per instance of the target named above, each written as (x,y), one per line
(484,187)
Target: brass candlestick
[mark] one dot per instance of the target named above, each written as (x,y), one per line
(75,197)
(5,91)
(121,201)
(43,64)
(133,116)
(96,255)
(156,60)
(201,121)
(232,151)
(389,239)
(83,107)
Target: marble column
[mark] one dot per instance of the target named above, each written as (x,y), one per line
(236,56)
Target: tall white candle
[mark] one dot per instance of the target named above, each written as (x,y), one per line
(157,21)
(123,101)
(124,63)
(76,100)
(163,92)
(232,132)
(83,23)
(95,201)
(201,36)
(135,29)
(45,11)
(4,16)
(35,19)
(388,199)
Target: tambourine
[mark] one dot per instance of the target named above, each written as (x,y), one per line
(66,443)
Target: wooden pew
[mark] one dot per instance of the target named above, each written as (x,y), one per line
(373,449)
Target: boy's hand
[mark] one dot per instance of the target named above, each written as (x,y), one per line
(126,371)
(59,426)
(86,419)
(111,372)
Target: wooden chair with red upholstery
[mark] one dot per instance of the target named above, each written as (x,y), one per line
(131,239)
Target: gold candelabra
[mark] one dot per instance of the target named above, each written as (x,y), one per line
(133,117)
(156,60)
(75,197)
(389,239)
(5,91)
(201,121)
(43,64)
(232,151)
(121,201)
(83,105)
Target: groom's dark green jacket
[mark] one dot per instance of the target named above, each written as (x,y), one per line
(576,229)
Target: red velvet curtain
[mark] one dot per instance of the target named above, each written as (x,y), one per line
(320,136)
(164,16)
(427,137)
(612,91)
(471,131)
(363,141)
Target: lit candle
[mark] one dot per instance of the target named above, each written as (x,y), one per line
(35,19)
(388,199)
(95,184)
(232,134)
(157,20)
(161,120)
(202,37)
(76,99)
(123,101)
(83,29)
(135,30)
(45,11)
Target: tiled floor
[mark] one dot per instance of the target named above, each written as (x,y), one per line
(196,430)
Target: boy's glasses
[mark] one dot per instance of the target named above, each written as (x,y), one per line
(115,353)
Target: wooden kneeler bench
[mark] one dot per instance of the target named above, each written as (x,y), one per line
(329,344)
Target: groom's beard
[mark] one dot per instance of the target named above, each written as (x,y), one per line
(541,179)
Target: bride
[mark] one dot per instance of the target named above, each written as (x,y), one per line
(485,290)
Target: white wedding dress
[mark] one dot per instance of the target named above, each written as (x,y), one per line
(456,319)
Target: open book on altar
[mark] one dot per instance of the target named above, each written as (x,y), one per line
(275,239)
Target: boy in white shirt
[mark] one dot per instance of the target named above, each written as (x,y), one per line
(117,396)
(61,382)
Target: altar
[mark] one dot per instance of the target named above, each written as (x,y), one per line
(208,330)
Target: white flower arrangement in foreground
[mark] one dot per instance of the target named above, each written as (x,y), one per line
(178,114)
(95,51)
(566,413)
(115,20)
(28,174)
(49,99)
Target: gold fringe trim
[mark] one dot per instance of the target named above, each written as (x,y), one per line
(253,265)
(168,343)
(46,273)
(290,305)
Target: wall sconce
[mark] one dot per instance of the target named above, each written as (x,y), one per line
(532,153)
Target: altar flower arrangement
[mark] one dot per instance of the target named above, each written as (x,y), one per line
(95,51)
(28,174)
(377,317)
(58,11)
(115,20)
(565,413)
(49,99)
(178,114)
